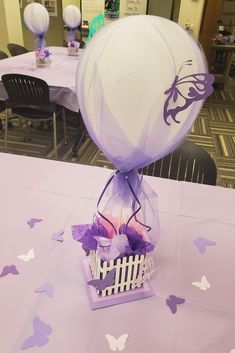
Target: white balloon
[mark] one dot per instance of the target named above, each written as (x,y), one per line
(72,16)
(36,18)
(133,73)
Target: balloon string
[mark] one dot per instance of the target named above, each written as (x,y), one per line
(40,40)
(100,198)
(138,209)
(72,33)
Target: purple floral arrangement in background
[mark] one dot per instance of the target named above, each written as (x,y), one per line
(42,55)
(73,44)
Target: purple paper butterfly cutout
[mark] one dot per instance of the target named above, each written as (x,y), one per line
(173,301)
(32,221)
(186,90)
(58,236)
(9,269)
(39,338)
(47,288)
(202,243)
(101,284)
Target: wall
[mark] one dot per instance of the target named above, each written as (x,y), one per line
(167,9)
(3,28)
(176,10)
(10,24)
(70,2)
(191,12)
(161,8)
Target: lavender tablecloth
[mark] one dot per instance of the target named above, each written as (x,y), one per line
(60,75)
(62,194)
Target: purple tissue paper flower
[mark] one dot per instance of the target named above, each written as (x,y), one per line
(136,243)
(89,235)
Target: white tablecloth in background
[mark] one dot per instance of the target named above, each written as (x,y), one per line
(62,194)
(60,75)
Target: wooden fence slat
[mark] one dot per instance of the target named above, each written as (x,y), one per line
(117,281)
(103,274)
(122,279)
(130,265)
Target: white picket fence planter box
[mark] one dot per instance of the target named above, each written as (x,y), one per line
(129,272)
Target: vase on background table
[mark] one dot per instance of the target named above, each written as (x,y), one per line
(73,48)
(43,57)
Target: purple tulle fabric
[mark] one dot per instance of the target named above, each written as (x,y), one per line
(126,216)
(122,82)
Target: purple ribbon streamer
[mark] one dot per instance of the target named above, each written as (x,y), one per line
(136,200)
(40,39)
(138,209)
(100,198)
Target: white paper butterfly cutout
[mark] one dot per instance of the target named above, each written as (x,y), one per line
(27,257)
(117,343)
(203,284)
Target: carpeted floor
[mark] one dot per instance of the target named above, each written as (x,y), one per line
(214,130)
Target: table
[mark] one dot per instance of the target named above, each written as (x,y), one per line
(229,50)
(62,194)
(60,75)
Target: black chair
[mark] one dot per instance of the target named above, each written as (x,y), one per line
(29,99)
(2,103)
(2,108)
(3,55)
(16,49)
(81,135)
(189,162)
(82,44)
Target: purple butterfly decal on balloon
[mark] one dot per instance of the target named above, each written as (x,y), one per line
(39,338)
(32,221)
(47,288)
(186,90)
(202,243)
(173,301)
(101,284)
(9,269)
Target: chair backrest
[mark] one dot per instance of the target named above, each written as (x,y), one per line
(26,90)
(3,55)
(189,162)
(82,44)
(16,49)
(2,106)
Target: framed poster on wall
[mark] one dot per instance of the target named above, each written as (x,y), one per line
(91,8)
(51,6)
(112,9)
(133,7)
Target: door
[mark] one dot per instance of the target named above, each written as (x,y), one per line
(211,14)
